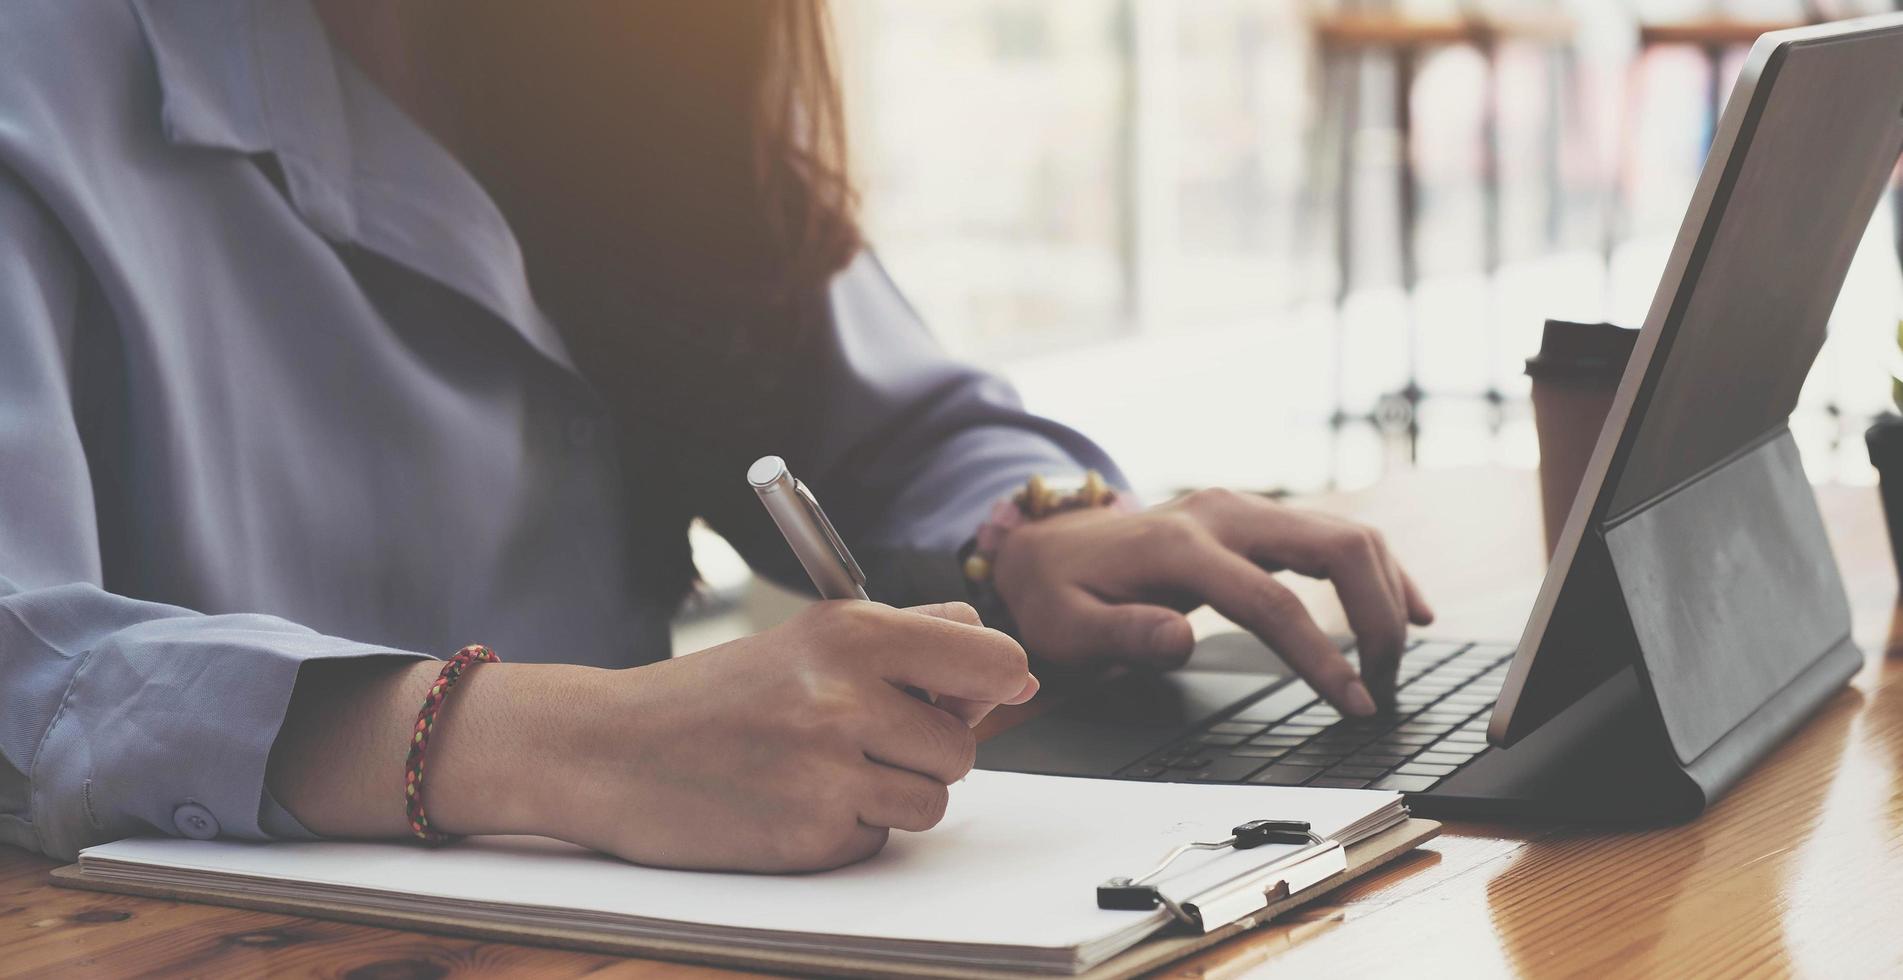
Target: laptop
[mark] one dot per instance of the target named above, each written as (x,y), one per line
(1692,615)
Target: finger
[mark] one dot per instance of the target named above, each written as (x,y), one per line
(1415,607)
(1418,611)
(973,712)
(1382,681)
(969,712)
(905,733)
(956,612)
(952,659)
(862,842)
(1356,562)
(1397,581)
(1131,632)
(1254,599)
(1353,557)
(901,800)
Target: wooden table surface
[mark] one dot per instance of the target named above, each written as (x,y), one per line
(1798,871)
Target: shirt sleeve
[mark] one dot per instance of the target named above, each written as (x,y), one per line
(911,448)
(117,716)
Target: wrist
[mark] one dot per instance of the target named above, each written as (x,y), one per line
(497,757)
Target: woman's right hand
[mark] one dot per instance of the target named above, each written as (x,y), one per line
(789,750)
(794,749)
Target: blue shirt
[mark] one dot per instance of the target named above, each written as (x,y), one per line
(273,388)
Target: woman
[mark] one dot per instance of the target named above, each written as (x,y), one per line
(341,334)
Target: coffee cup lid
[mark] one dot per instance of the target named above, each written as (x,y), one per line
(1582,351)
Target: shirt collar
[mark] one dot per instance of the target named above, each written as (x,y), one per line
(261,77)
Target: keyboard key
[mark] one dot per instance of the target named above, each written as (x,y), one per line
(1309,758)
(1285,774)
(1441,759)
(1422,728)
(1278,741)
(1424,769)
(1223,739)
(1279,704)
(1434,651)
(1379,761)
(1188,762)
(1236,728)
(1337,782)
(1407,741)
(1141,771)
(1464,735)
(1233,769)
(1293,729)
(1406,784)
(1443,719)
(1465,750)
(1358,772)
(1258,751)
(1346,731)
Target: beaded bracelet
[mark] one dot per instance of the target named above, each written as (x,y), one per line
(452,671)
(1038,499)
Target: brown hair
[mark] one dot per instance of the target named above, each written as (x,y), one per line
(702,137)
(675,171)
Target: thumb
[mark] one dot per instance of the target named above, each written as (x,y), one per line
(1133,632)
(971,712)
(957,612)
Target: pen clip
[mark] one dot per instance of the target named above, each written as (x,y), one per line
(832,535)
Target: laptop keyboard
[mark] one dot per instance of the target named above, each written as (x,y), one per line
(1290,737)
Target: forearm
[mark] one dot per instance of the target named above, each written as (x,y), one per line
(338,762)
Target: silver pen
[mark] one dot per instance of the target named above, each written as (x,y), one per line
(811,535)
(818,547)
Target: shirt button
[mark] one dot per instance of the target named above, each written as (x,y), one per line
(195,821)
(581,431)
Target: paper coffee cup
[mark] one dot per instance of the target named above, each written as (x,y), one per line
(1575,374)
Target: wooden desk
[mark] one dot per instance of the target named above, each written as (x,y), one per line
(1799,870)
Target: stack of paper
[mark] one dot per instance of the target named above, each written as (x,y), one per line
(1008,880)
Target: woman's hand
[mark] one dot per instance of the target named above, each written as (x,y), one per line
(791,750)
(1103,584)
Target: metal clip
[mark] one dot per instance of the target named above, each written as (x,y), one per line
(833,539)
(1251,892)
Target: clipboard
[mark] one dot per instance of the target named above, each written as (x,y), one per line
(1279,893)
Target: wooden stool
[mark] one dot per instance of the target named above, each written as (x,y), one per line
(1715,36)
(1343,38)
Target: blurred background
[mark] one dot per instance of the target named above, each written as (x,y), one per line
(1294,244)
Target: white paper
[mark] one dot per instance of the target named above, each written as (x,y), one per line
(1016,862)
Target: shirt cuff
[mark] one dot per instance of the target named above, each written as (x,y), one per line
(167,728)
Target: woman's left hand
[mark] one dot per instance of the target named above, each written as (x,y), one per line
(1102,584)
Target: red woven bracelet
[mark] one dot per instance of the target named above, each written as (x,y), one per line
(453,670)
